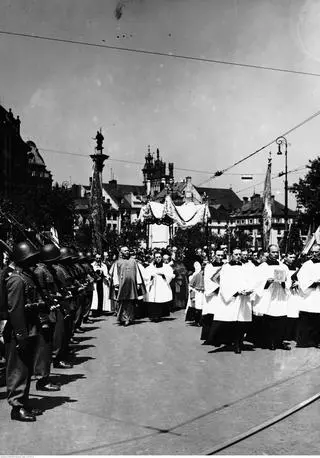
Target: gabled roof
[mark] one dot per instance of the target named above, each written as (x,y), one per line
(226,197)
(122,189)
(219,213)
(255,206)
(118,191)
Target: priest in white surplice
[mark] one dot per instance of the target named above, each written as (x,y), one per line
(308,280)
(272,295)
(211,292)
(159,293)
(100,299)
(234,308)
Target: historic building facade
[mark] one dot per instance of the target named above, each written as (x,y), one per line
(123,202)
(21,166)
(248,218)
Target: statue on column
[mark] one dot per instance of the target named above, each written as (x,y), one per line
(99,139)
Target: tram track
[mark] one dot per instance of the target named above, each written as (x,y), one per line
(262,426)
(150,441)
(255,430)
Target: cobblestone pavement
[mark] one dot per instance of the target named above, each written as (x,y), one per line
(152,388)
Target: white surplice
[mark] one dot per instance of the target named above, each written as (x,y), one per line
(272,301)
(106,305)
(310,297)
(294,300)
(158,288)
(233,306)
(211,288)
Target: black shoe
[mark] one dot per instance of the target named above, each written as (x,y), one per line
(62,365)
(237,349)
(73,341)
(22,414)
(47,386)
(80,330)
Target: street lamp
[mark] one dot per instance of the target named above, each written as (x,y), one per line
(281,141)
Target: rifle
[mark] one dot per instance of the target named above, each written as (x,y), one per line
(14,222)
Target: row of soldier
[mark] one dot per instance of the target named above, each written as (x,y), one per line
(266,303)
(46,295)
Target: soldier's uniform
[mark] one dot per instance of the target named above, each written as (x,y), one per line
(90,276)
(21,331)
(64,324)
(49,319)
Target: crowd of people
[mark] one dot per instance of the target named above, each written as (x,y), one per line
(47,295)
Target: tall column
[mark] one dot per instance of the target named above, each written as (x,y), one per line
(96,199)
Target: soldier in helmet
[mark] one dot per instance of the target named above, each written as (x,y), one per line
(22,329)
(73,285)
(53,349)
(81,277)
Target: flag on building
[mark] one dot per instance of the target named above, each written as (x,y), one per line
(267,210)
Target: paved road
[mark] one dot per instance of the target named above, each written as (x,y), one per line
(153,389)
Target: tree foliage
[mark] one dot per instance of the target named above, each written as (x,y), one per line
(41,209)
(307,193)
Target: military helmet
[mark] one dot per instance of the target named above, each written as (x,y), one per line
(89,256)
(74,254)
(66,254)
(49,253)
(82,257)
(24,251)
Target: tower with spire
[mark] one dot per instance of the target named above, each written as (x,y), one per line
(155,176)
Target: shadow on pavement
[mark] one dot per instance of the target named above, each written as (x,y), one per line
(81,339)
(65,379)
(50,402)
(80,347)
(230,348)
(3,395)
(90,328)
(81,359)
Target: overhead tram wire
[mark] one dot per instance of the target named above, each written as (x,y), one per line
(125,161)
(278,175)
(158,53)
(302,123)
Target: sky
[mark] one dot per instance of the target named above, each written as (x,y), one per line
(202,116)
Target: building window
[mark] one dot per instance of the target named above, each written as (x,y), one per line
(114,216)
(108,215)
(251,221)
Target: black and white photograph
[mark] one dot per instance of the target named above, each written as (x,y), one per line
(159,227)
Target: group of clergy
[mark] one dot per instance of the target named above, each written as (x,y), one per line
(127,284)
(267,305)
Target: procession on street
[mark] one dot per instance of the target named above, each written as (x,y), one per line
(48,295)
